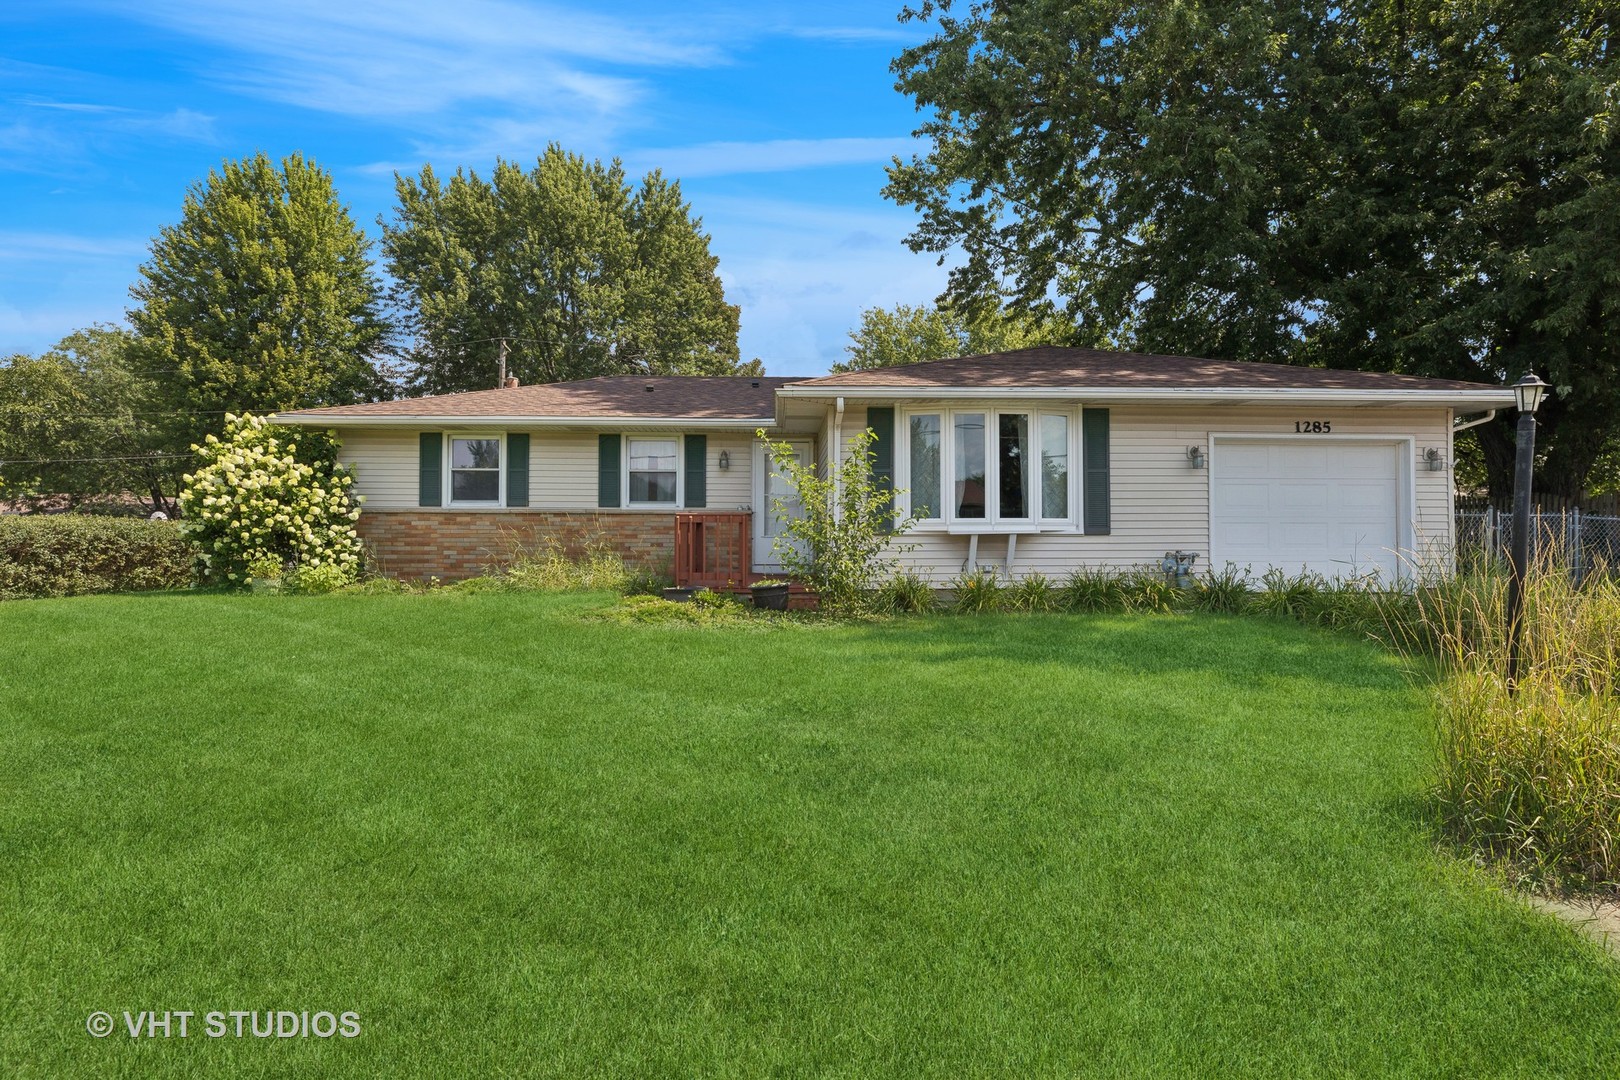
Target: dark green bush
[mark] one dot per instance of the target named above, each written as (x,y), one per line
(979,592)
(904,594)
(73,554)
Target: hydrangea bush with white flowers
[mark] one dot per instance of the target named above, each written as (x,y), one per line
(254,503)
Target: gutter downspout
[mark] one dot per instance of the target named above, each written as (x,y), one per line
(837,458)
(1487,418)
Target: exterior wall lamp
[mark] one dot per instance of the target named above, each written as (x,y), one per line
(725,460)
(1195,457)
(1436,459)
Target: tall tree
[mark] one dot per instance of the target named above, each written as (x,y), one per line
(576,272)
(1397,185)
(910,334)
(263,297)
(79,421)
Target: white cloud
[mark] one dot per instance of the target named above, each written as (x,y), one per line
(414,58)
(773,155)
(856,35)
(29,246)
(801,287)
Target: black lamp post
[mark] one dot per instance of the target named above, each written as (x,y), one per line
(1528,392)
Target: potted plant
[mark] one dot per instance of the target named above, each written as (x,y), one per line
(771,594)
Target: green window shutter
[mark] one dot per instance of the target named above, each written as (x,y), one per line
(697,471)
(608,448)
(517,469)
(881,421)
(430,466)
(1094,445)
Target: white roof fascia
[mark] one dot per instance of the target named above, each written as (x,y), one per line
(1176,396)
(441,420)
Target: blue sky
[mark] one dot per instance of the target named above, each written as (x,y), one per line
(777,117)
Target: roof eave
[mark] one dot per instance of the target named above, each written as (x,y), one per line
(416,420)
(1485,398)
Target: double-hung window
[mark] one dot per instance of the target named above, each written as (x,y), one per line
(992,466)
(652,470)
(475,470)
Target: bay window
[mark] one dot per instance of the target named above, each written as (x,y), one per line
(925,462)
(990,466)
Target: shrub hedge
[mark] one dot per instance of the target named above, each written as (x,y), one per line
(74,554)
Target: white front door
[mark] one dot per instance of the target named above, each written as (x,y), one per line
(1332,507)
(776,502)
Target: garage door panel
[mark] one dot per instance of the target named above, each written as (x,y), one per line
(1245,459)
(1304,537)
(1325,507)
(1294,498)
(1308,461)
(1246,499)
(1360,496)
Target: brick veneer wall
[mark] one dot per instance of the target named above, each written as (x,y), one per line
(454,544)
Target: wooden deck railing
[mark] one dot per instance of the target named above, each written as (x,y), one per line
(711,548)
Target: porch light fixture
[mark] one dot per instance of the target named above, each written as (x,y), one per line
(1528,392)
(1195,456)
(725,460)
(1436,459)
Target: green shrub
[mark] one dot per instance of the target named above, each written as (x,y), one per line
(312,580)
(73,555)
(1146,589)
(1289,597)
(841,540)
(1223,593)
(549,569)
(253,499)
(1035,593)
(978,592)
(906,593)
(1529,773)
(1093,590)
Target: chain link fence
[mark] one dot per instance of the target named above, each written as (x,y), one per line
(1571,537)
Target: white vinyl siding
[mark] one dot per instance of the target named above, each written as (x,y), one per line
(1160,503)
(562,468)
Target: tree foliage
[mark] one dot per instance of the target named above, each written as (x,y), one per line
(1423,186)
(581,275)
(907,334)
(840,541)
(80,421)
(263,297)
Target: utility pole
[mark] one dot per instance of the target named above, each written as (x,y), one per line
(501,383)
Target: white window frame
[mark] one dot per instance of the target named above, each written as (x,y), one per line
(992,412)
(680,470)
(450,471)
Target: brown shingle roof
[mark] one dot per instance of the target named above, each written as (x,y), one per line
(1093,368)
(720,397)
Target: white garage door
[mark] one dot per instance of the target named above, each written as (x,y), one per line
(1333,508)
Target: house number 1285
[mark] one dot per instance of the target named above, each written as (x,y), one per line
(1313,427)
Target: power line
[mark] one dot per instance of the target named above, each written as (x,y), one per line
(79,460)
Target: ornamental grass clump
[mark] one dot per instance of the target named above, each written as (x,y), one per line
(1529,774)
(255,501)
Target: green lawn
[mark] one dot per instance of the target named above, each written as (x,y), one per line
(518,842)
